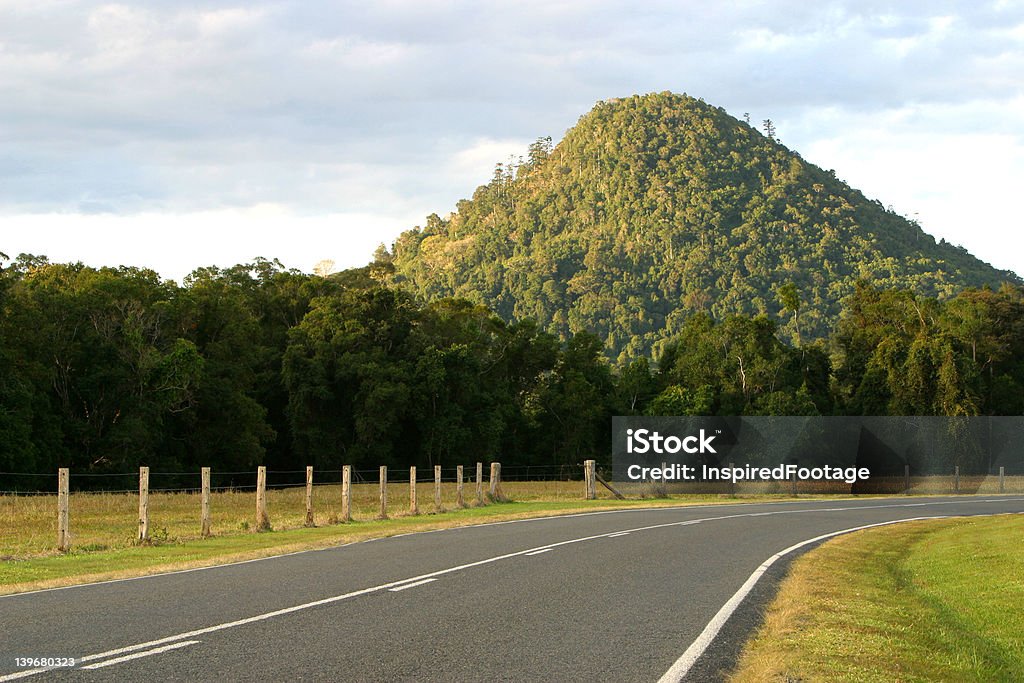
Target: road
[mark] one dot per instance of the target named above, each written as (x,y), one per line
(600,596)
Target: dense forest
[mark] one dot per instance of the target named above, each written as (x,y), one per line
(658,207)
(105,369)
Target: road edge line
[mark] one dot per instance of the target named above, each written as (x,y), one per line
(681,667)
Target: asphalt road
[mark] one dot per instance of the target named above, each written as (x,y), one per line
(601,596)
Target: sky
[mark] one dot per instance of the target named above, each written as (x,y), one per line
(177,135)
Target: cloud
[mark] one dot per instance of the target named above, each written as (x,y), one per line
(957,180)
(390,108)
(174,244)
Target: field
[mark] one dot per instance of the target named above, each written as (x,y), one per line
(105,521)
(921,601)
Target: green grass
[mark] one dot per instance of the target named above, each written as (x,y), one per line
(920,601)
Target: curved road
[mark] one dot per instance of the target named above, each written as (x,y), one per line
(600,596)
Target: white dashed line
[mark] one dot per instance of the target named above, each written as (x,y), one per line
(410,585)
(137,655)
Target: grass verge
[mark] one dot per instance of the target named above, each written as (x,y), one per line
(920,601)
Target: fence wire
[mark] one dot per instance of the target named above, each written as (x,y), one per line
(40,483)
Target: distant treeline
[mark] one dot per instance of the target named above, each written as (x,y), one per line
(102,370)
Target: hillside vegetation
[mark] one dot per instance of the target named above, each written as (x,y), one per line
(657,207)
(718,272)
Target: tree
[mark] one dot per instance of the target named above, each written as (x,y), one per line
(539,151)
(109,366)
(347,372)
(678,400)
(229,425)
(789,299)
(739,367)
(576,402)
(323,267)
(635,387)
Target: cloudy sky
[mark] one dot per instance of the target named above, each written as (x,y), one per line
(176,135)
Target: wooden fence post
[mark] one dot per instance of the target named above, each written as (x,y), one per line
(143,504)
(459,500)
(590,480)
(63,515)
(479,483)
(262,521)
(906,479)
(495,481)
(956,479)
(383,492)
(346,493)
(1002,479)
(205,503)
(732,481)
(414,508)
(309,495)
(437,488)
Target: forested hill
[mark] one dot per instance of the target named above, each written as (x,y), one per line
(655,207)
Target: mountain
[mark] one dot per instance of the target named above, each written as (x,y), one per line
(656,207)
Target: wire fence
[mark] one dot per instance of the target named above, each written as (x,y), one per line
(1000,479)
(37,483)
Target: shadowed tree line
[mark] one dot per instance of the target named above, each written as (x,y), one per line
(102,370)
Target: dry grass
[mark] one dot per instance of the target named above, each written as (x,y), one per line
(982,485)
(108,521)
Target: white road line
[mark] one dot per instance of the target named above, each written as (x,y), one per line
(697,648)
(621,533)
(441,572)
(138,655)
(410,585)
(23,674)
(538,552)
